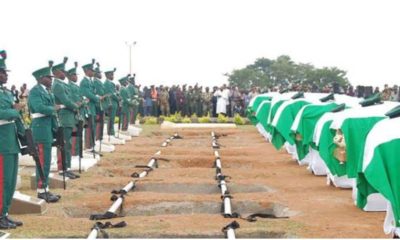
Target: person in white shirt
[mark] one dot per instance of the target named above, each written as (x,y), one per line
(222,95)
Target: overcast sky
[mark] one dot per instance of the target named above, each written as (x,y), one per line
(197,41)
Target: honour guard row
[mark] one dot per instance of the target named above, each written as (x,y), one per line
(63,114)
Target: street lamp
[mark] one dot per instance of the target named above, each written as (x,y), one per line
(130,45)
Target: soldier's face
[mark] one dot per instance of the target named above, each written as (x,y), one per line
(46,81)
(3,77)
(89,72)
(73,78)
(59,74)
(110,76)
(98,75)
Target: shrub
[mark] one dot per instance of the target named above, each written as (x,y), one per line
(150,120)
(238,120)
(205,119)
(186,120)
(222,119)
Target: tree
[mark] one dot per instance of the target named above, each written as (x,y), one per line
(283,72)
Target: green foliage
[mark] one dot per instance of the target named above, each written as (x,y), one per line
(238,120)
(175,118)
(150,120)
(205,119)
(222,119)
(186,120)
(267,73)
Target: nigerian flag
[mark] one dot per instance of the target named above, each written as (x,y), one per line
(304,125)
(253,106)
(283,120)
(380,168)
(272,111)
(262,113)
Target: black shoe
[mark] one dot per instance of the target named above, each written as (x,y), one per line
(48,197)
(17,223)
(55,195)
(67,174)
(74,174)
(6,224)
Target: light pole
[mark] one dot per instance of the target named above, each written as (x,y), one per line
(130,45)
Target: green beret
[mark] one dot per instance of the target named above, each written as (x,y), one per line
(72,71)
(110,71)
(3,55)
(374,99)
(394,112)
(339,108)
(298,95)
(60,66)
(89,65)
(43,72)
(124,79)
(327,98)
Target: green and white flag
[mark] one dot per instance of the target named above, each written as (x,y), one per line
(254,104)
(380,169)
(283,121)
(304,125)
(262,115)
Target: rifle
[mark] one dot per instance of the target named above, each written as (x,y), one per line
(119,119)
(60,144)
(101,120)
(110,123)
(79,135)
(32,149)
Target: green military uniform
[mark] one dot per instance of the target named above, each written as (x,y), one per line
(188,99)
(42,107)
(126,104)
(134,95)
(113,99)
(198,106)
(101,106)
(164,102)
(66,115)
(88,91)
(206,99)
(76,96)
(10,125)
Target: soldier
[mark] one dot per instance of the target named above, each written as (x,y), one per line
(134,96)
(188,101)
(9,149)
(164,102)
(206,99)
(109,89)
(66,115)
(43,112)
(197,97)
(102,105)
(126,103)
(82,114)
(180,101)
(87,89)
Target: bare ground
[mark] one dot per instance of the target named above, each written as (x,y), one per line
(181,197)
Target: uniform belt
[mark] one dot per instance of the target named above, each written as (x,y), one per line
(38,115)
(62,106)
(4,122)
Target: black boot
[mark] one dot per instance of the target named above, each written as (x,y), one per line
(17,223)
(73,174)
(67,174)
(5,224)
(48,197)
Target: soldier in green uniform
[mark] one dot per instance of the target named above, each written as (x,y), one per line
(113,99)
(102,105)
(197,100)
(206,99)
(66,115)
(88,91)
(9,147)
(134,95)
(164,102)
(76,96)
(186,105)
(44,123)
(191,101)
(126,103)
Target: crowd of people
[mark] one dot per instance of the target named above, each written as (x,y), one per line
(202,101)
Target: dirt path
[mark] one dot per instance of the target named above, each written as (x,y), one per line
(181,197)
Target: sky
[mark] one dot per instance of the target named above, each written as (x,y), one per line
(192,42)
